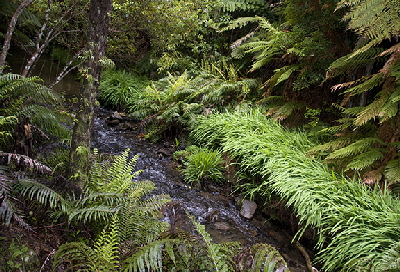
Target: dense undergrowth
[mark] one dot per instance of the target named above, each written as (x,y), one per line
(357,225)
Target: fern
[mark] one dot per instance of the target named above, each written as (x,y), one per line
(376,19)
(220,255)
(261,257)
(391,260)
(242,5)
(8,210)
(34,190)
(392,171)
(22,97)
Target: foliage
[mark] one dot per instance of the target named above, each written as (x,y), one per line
(159,26)
(175,101)
(79,256)
(20,97)
(337,208)
(365,140)
(118,89)
(17,256)
(201,164)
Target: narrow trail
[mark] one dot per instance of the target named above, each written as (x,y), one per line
(216,210)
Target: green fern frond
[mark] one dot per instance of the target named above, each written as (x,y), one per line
(376,19)
(150,256)
(365,159)
(281,74)
(355,148)
(332,145)
(99,213)
(8,209)
(106,247)
(391,260)
(77,255)
(219,255)
(392,171)
(47,120)
(352,62)
(284,111)
(368,83)
(240,22)
(39,192)
(267,258)
(374,109)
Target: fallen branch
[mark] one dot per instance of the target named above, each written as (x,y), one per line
(24,162)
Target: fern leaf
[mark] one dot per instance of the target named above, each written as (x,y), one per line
(148,257)
(392,171)
(77,255)
(41,193)
(106,247)
(281,74)
(373,110)
(365,159)
(390,260)
(358,147)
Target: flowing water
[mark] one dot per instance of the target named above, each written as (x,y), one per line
(217,211)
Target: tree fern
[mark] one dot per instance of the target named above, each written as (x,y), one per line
(376,19)
(22,97)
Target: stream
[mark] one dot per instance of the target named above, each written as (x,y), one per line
(216,210)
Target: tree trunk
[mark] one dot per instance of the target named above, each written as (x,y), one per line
(10,31)
(81,137)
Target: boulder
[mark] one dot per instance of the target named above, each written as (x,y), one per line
(248,208)
(116,115)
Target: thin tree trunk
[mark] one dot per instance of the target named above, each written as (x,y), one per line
(67,68)
(10,31)
(81,137)
(42,43)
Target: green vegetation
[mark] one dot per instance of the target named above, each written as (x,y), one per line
(303,96)
(357,226)
(201,164)
(119,89)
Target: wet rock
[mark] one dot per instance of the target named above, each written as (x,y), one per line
(116,115)
(113,122)
(248,208)
(222,226)
(212,216)
(165,152)
(114,119)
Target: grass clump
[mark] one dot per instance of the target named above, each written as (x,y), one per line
(118,88)
(201,164)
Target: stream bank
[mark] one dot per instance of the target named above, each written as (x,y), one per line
(216,208)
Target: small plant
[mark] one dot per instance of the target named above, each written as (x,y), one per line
(202,164)
(19,257)
(118,89)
